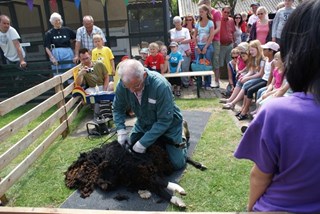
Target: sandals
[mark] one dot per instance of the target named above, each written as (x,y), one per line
(237,114)
(228,106)
(242,117)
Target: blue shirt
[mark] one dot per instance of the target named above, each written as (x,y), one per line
(174,60)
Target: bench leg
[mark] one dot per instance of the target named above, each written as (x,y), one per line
(199,82)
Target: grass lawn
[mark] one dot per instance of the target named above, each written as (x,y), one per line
(223,187)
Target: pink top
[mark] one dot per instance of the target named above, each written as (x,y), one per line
(278,78)
(262,32)
(216,15)
(241,64)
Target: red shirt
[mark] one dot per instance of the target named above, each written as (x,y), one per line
(153,62)
(216,15)
(226,31)
(244,27)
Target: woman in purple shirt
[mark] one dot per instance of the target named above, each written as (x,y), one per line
(283,140)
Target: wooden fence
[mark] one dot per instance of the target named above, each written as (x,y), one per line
(14,80)
(66,112)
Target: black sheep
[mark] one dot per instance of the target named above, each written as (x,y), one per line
(112,165)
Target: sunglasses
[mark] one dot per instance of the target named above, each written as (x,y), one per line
(260,14)
(238,18)
(234,57)
(226,12)
(189,20)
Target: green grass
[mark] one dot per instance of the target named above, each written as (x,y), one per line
(223,187)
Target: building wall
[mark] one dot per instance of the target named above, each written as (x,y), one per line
(32,24)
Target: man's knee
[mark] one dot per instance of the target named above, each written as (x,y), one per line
(178,156)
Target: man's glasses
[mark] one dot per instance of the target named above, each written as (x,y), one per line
(134,87)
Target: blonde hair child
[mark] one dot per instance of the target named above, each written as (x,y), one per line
(104,54)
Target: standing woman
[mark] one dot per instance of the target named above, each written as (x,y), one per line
(58,42)
(204,35)
(238,24)
(261,29)
(189,23)
(181,35)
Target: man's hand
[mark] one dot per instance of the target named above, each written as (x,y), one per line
(53,60)
(139,148)
(76,60)
(123,139)
(23,64)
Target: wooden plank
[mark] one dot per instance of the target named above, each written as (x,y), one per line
(26,118)
(19,170)
(68,90)
(189,74)
(62,102)
(74,113)
(25,142)
(18,100)
(71,103)
(68,74)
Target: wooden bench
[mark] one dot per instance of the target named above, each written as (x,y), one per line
(198,74)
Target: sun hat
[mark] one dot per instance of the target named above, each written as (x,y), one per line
(173,44)
(255,4)
(243,46)
(144,51)
(271,45)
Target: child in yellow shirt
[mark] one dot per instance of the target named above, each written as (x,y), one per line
(103,54)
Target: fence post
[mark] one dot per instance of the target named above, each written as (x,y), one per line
(59,88)
(3,199)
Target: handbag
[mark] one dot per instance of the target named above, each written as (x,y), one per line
(201,65)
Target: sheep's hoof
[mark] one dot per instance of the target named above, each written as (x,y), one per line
(177,201)
(145,194)
(176,188)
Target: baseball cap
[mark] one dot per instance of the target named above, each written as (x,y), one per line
(255,4)
(144,50)
(172,44)
(271,45)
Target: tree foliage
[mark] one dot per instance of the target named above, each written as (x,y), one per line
(221,3)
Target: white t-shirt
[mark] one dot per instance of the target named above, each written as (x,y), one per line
(252,19)
(177,34)
(7,46)
(267,70)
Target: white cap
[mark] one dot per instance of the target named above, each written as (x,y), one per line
(271,45)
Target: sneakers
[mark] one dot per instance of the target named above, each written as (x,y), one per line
(215,84)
